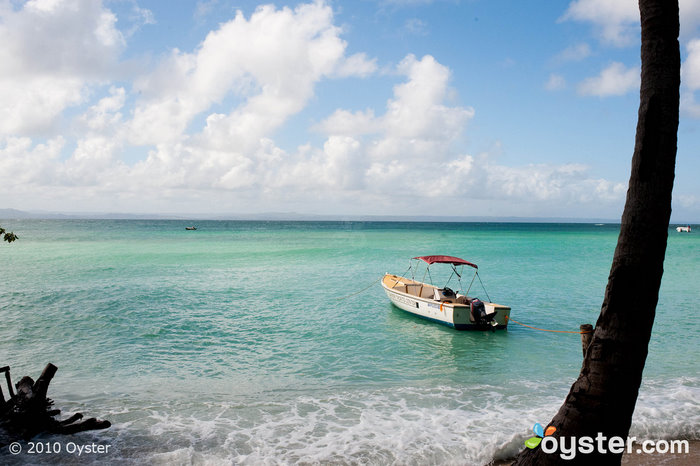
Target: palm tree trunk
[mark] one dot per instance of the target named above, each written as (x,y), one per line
(602,400)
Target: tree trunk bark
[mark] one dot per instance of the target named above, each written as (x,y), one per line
(602,400)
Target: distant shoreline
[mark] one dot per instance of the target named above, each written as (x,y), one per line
(11,214)
(14,214)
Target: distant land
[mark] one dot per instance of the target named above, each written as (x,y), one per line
(14,214)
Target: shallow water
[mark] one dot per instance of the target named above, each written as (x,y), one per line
(229,343)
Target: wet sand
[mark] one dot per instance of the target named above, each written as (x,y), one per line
(691,458)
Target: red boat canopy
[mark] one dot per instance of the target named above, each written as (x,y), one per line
(445,260)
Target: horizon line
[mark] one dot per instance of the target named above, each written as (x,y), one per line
(14,214)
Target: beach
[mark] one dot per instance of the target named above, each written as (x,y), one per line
(679,459)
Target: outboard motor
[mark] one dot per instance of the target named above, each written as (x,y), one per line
(479,315)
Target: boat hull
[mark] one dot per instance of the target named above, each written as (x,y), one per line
(414,297)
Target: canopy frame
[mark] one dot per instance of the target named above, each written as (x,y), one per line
(454,262)
(445,260)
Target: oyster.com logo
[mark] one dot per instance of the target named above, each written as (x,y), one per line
(540,432)
(569,447)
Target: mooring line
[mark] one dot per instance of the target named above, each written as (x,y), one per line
(546,330)
(358,292)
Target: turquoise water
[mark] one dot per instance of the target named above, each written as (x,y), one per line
(229,344)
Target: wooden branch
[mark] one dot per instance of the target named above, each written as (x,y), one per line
(28,412)
(72,419)
(41,387)
(88,424)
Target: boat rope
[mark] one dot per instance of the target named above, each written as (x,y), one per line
(451,275)
(546,330)
(483,287)
(363,289)
(427,272)
(470,285)
(404,275)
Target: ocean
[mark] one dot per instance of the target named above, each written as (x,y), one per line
(253,342)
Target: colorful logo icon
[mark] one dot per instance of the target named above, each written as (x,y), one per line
(540,432)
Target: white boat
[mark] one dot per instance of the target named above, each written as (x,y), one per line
(686,229)
(443,305)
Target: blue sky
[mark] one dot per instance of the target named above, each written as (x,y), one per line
(367,107)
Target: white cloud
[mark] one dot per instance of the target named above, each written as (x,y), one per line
(617,21)
(380,154)
(139,17)
(691,66)
(688,106)
(690,18)
(409,150)
(403,149)
(266,66)
(364,154)
(568,183)
(94,162)
(687,201)
(690,80)
(555,82)
(614,80)
(405,3)
(105,114)
(26,164)
(31,105)
(271,61)
(357,65)
(417,110)
(416,26)
(526,190)
(208,117)
(42,73)
(575,52)
(344,122)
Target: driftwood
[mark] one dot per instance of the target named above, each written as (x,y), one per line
(28,412)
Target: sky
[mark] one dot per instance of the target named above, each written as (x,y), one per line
(365,107)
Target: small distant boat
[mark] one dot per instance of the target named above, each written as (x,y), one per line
(190,228)
(685,229)
(443,305)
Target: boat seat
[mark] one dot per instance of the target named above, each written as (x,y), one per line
(445,295)
(412,288)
